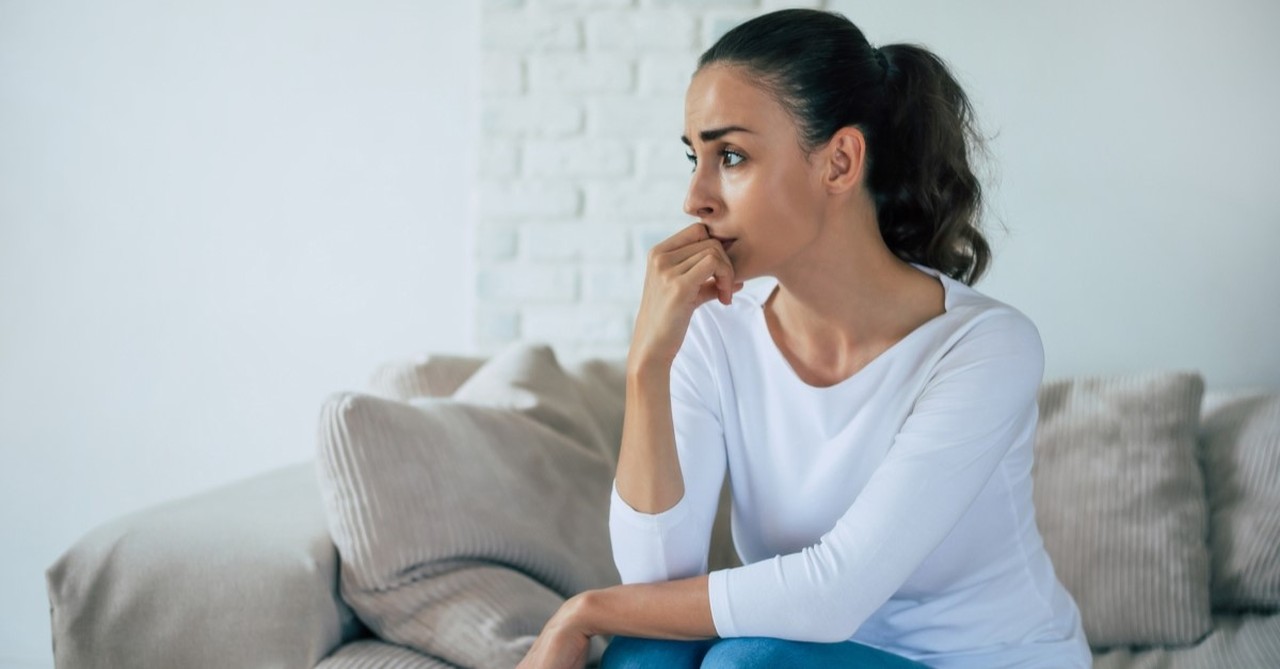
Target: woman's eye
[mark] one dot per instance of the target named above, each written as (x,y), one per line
(731,158)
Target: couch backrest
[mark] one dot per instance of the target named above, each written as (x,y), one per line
(439,375)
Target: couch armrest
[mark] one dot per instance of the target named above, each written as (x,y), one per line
(241,576)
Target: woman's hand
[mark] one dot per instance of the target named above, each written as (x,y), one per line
(562,644)
(684,271)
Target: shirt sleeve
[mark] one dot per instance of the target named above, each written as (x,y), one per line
(674,544)
(979,401)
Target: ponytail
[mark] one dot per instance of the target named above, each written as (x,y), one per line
(918,122)
(928,200)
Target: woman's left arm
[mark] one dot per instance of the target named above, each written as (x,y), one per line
(679,609)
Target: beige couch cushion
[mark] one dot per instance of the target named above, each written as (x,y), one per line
(464,523)
(1241,452)
(602,382)
(604,379)
(239,576)
(431,375)
(375,654)
(1120,501)
(1236,642)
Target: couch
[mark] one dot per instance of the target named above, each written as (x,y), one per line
(248,574)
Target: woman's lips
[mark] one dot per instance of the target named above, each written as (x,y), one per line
(726,243)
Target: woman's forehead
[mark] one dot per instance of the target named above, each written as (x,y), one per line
(722,97)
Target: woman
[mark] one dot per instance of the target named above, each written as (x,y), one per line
(875,413)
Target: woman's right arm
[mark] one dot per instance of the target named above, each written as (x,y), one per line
(648,476)
(671,435)
(683,271)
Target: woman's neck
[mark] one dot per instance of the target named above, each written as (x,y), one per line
(847,292)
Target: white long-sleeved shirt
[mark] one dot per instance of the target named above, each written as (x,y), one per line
(893,508)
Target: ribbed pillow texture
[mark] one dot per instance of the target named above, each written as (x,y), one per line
(1241,441)
(1120,503)
(464,523)
(373,654)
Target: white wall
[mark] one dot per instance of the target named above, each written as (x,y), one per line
(1137,149)
(211,216)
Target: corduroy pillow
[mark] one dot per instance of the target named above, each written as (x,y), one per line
(464,523)
(1120,502)
(1241,442)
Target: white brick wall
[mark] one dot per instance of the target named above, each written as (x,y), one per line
(512,116)
(640,31)
(581,166)
(502,74)
(604,241)
(586,159)
(580,73)
(523,284)
(665,74)
(516,199)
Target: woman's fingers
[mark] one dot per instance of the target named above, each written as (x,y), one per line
(711,263)
(683,271)
(679,248)
(685,257)
(695,232)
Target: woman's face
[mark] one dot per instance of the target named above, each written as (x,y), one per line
(750,180)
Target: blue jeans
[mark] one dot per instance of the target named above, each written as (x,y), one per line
(753,652)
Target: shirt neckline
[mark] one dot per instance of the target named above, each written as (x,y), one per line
(763,330)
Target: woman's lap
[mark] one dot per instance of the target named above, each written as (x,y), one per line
(745,653)
(626,652)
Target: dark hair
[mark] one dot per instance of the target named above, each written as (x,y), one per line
(918,123)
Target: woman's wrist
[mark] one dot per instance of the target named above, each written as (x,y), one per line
(641,366)
(576,613)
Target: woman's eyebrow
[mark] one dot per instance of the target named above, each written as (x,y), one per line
(714,134)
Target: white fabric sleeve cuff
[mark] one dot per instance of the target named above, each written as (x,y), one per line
(620,510)
(717,591)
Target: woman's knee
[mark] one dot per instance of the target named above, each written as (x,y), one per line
(625,652)
(749,653)
(746,653)
(770,653)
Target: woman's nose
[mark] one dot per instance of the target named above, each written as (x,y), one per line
(699,201)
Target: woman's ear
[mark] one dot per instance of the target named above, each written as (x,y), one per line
(845,158)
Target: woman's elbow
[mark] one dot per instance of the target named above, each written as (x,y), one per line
(633,570)
(835,622)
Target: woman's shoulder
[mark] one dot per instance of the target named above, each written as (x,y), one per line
(980,312)
(980,330)
(993,339)
(969,306)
